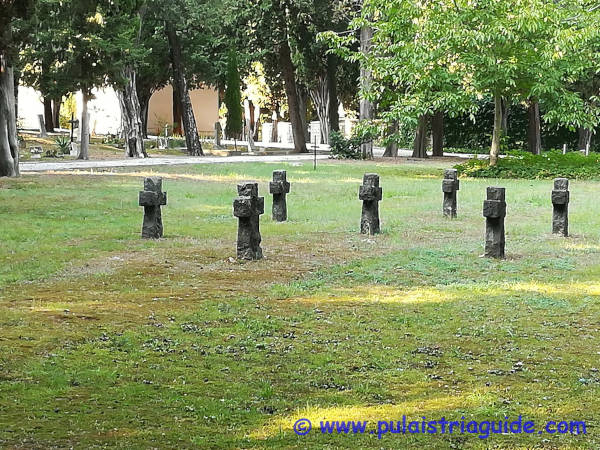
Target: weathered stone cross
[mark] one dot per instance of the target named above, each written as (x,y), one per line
(560,202)
(370,193)
(247,208)
(494,211)
(152,198)
(279,187)
(450,185)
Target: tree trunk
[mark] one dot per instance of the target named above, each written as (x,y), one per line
(420,142)
(289,77)
(303,108)
(505,113)
(250,118)
(275,119)
(56,104)
(9,147)
(366,79)
(144,108)
(48,116)
(534,133)
(497,134)
(391,148)
(321,100)
(84,152)
(334,116)
(16,76)
(585,138)
(131,115)
(437,133)
(177,112)
(192,139)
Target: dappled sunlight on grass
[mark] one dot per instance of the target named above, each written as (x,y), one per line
(585,247)
(177,338)
(380,294)
(430,407)
(564,289)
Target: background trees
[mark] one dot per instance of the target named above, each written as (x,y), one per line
(423,65)
(12,12)
(441,57)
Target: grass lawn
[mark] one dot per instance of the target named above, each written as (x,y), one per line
(107,340)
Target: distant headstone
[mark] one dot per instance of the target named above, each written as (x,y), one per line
(152,198)
(36,152)
(370,193)
(494,211)
(42,123)
(73,149)
(267,132)
(450,185)
(248,207)
(284,132)
(560,202)
(218,133)
(279,187)
(315,132)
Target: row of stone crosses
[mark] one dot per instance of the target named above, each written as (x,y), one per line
(248,207)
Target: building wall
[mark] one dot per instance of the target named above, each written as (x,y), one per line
(205,103)
(104,110)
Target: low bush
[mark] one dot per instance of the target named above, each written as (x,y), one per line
(64,144)
(474,151)
(343,148)
(519,164)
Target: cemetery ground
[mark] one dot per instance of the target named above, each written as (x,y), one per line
(100,148)
(110,340)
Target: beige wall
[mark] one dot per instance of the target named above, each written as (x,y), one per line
(204,101)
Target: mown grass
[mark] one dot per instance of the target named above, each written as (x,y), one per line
(110,341)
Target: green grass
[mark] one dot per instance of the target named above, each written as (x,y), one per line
(110,341)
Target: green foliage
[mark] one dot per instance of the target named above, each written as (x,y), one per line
(68,109)
(342,148)
(473,132)
(448,55)
(233,97)
(64,144)
(519,164)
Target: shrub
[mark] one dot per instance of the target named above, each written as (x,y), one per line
(343,148)
(519,164)
(475,151)
(64,144)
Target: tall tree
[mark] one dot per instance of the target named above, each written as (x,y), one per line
(180,86)
(10,13)
(444,55)
(272,29)
(233,99)
(125,18)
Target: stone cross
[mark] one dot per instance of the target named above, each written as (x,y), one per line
(494,211)
(279,187)
(370,194)
(247,208)
(450,185)
(560,201)
(152,198)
